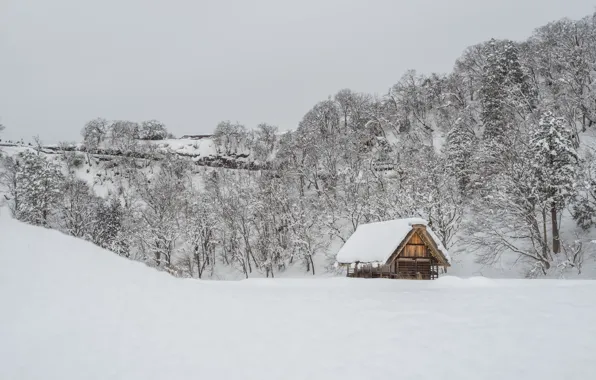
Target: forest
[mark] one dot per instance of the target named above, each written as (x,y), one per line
(499,155)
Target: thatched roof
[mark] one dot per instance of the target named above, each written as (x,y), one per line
(380,242)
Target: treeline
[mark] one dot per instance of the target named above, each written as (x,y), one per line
(159,215)
(497,155)
(122,135)
(232,138)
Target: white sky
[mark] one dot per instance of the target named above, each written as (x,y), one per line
(192,63)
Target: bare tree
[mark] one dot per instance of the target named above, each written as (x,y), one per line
(160,211)
(12,181)
(77,209)
(94,133)
(200,227)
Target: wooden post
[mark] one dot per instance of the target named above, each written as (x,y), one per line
(416,267)
(432,270)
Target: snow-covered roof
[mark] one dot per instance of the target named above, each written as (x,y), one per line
(376,242)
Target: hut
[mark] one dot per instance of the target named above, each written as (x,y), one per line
(401,249)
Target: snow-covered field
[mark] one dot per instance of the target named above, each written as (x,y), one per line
(70,310)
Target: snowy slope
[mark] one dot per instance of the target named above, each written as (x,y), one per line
(203,147)
(73,311)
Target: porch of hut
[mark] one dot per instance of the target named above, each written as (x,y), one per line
(405,269)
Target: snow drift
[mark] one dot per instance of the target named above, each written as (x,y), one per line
(73,311)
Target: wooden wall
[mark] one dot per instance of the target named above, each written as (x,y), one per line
(415,247)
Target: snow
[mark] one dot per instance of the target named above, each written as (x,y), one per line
(376,242)
(203,147)
(73,311)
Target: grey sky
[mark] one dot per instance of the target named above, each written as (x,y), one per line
(191,63)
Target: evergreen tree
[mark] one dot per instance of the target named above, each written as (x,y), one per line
(461,142)
(584,208)
(41,188)
(556,164)
(503,84)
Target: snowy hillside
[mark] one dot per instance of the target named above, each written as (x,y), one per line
(71,310)
(202,151)
(105,175)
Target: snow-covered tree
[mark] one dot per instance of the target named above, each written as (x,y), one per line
(11,178)
(94,133)
(200,226)
(265,139)
(41,188)
(503,86)
(412,101)
(307,236)
(517,205)
(124,135)
(506,218)
(459,150)
(562,53)
(160,211)
(229,137)
(556,165)
(109,229)
(153,130)
(76,211)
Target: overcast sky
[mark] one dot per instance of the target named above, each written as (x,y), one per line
(193,63)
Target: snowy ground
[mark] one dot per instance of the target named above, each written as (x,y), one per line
(73,311)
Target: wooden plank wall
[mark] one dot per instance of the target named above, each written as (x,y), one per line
(415,247)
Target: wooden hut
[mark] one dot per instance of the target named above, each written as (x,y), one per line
(401,249)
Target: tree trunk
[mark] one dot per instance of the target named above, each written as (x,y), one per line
(247,261)
(545,238)
(556,238)
(198,260)
(158,253)
(203,268)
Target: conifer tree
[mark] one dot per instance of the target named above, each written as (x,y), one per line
(461,142)
(584,208)
(503,83)
(556,164)
(41,189)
